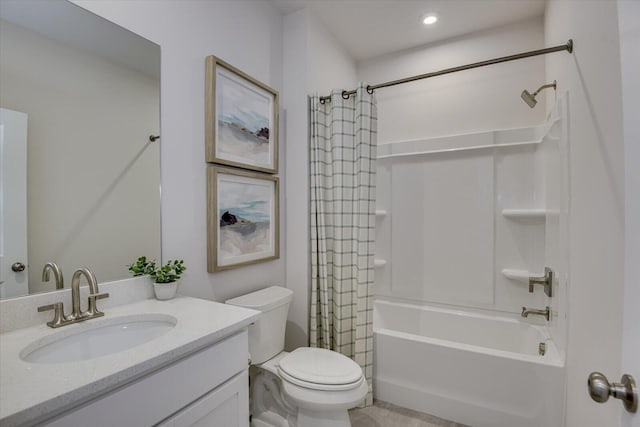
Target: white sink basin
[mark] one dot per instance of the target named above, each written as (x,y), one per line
(98,337)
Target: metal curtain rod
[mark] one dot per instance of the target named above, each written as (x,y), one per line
(568,47)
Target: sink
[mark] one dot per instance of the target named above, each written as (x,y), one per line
(96,338)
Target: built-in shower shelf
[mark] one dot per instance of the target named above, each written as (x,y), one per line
(381,212)
(529,214)
(519,275)
(379,262)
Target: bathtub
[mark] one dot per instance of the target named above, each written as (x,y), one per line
(476,369)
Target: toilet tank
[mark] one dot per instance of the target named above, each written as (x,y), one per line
(266,335)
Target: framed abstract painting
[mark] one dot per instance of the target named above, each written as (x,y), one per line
(242,218)
(241,122)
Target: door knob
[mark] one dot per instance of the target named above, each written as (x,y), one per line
(600,389)
(18,267)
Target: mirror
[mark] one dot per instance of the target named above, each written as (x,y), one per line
(79,174)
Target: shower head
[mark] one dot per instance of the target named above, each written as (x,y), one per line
(530,98)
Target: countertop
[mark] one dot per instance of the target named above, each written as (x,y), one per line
(30,392)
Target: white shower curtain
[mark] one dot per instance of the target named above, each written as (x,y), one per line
(343,177)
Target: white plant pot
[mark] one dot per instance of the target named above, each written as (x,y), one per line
(165,291)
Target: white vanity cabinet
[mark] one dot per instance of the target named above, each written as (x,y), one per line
(206,388)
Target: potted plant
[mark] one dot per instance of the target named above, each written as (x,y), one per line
(165,278)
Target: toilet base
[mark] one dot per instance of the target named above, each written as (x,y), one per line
(272,407)
(303,419)
(269,419)
(323,419)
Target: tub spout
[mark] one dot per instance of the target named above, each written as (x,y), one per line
(546,312)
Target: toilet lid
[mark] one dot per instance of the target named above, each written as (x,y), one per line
(320,369)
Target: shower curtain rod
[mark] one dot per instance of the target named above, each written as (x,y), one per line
(568,47)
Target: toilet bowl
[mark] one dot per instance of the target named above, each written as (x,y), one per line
(309,387)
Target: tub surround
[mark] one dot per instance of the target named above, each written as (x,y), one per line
(32,392)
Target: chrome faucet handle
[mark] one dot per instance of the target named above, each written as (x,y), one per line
(59,319)
(93,311)
(546,281)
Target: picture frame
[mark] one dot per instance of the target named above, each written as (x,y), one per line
(241,122)
(243,218)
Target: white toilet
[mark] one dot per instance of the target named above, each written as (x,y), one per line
(309,387)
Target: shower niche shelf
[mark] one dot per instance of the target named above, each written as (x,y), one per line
(518,275)
(526,214)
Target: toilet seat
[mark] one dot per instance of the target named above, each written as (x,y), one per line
(320,369)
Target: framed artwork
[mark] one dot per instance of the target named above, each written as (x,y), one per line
(242,218)
(241,119)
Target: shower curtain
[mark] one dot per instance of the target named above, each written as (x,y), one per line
(343,177)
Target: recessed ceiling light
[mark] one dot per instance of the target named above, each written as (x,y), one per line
(430,19)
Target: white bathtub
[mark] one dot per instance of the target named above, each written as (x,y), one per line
(479,370)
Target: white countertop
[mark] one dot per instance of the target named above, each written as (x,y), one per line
(30,391)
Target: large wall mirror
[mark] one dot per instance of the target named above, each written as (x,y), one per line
(79,174)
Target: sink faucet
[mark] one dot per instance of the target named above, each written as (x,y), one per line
(546,312)
(94,294)
(57,274)
(77,315)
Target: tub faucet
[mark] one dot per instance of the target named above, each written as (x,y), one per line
(57,274)
(546,312)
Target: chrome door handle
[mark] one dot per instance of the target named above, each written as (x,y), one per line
(600,389)
(18,267)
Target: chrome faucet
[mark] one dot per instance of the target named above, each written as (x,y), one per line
(77,315)
(546,312)
(57,274)
(94,292)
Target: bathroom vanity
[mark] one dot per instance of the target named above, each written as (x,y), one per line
(146,362)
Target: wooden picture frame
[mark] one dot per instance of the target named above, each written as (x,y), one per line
(241,122)
(243,218)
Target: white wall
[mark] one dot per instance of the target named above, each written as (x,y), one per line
(92,173)
(313,62)
(247,34)
(476,100)
(596,211)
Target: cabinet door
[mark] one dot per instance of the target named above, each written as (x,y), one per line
(225,406)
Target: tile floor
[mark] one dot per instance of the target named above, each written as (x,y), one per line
(383,414)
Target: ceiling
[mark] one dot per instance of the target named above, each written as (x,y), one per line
(370,28)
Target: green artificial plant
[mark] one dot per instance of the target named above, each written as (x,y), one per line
(167,273)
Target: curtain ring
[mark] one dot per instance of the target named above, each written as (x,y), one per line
(345,95)
(322,100)
(369,90)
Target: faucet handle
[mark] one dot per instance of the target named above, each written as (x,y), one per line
(92,310)
(59,319)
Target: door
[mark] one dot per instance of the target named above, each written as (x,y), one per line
(629,26)
(13,204)
(604,325)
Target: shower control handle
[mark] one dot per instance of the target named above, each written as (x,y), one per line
(600,389)
(546,281)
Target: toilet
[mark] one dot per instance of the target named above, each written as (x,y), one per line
(308,387)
